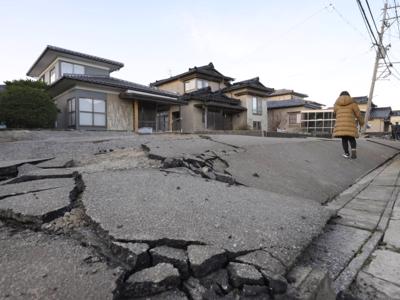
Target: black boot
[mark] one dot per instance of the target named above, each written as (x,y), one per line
(353,153)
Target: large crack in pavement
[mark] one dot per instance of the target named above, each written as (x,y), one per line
(170,265)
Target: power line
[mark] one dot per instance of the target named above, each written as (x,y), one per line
(397,16)
(347,21)
(371,32)
(372,16)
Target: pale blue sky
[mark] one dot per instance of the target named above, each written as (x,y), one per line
(300,45)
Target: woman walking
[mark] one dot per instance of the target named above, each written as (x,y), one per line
(347,111)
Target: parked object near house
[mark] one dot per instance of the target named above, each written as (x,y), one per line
(89,98)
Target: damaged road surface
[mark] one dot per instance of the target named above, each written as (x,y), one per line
(121,216)
(39,266)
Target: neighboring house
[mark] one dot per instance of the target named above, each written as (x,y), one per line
(395,117)
(379,119)
(2,87)
(284,114)
(323,121)
(89,98)
(253,96)
(207,107)
(285,94)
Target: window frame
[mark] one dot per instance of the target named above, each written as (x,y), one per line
(293,115)
(186,82)
(201,84)
(71,112)
(257,108)
(93,112)
(256,125)
(52,71)
(73,65)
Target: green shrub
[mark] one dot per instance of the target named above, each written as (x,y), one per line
(26,104)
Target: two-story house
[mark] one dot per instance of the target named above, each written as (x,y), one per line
(285,109)
(89,98)
(207,106)
(253,96)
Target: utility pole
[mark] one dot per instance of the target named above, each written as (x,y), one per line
(380,54)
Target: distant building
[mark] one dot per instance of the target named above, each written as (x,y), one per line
(284,110)
(395,117)
(2,87)
(323,121)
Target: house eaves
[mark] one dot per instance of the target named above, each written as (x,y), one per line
(51,53)
(122,86)
(206,72)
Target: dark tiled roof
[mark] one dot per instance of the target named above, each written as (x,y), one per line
(114,83)
(396,113)
(206,95)
(381,113)
(361,99)
(207,70)
(253,83)
(293,103)
(115,64)
(286,92)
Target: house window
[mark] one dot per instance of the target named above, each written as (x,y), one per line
(201,84)
(190,85)
(68,68)
(256,125)
(257,108)
(52,75)
(92,112)
(293,118)
(71,111)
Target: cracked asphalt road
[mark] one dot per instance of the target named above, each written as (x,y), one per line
(248,202)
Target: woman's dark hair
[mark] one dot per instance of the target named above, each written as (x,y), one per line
(344,93)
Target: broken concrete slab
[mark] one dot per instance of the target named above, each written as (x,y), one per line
(197,211)
(277,283)
(39,266)
(368,287)
(177,257)
(150,281)
(58,162)
(36,207)
(241,274)
(181,146)
(316,284)
(9,168)
(9,190)
(194,288)
(41,174)
(220,278)
(137,250)
(392,235)
(169,295)
(205,259)
(385,265)
(263,260)
(19,162)
(333,249)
